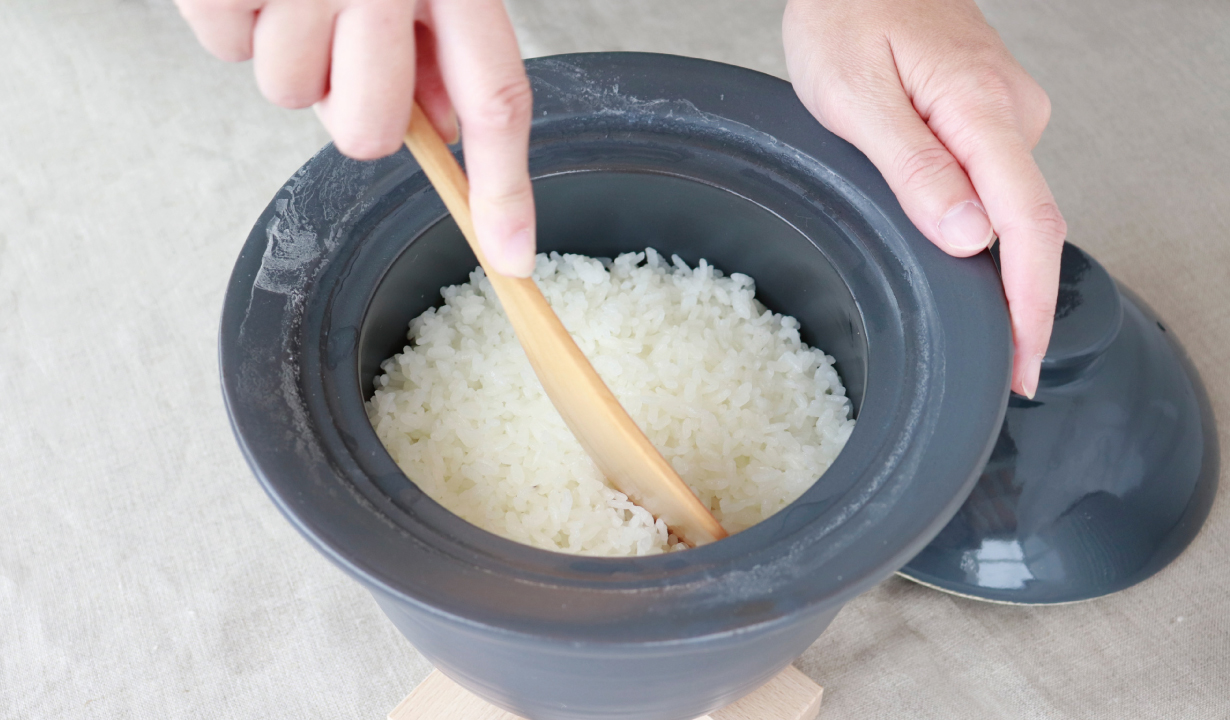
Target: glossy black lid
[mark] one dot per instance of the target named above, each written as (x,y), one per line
(1100,480)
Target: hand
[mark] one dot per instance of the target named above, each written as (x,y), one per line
(362,63)
(926,89)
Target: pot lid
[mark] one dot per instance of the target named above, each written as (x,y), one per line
(1103,478)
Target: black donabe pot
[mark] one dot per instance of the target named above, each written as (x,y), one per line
(628,151)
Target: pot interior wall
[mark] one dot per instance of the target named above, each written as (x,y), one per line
(602,214)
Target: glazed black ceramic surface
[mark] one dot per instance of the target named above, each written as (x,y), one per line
(1100,480)
(627,151)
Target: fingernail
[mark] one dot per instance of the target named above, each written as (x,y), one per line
(966,227)
(1029,382)
(452,132)
(515,255)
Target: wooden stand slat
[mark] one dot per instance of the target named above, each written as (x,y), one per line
(790,695)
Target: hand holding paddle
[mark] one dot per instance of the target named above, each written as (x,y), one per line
(619,448)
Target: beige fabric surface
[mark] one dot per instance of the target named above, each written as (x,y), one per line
(143,574)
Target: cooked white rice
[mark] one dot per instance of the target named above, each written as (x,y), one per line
(746,413)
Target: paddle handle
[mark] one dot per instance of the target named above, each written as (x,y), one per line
(619,448)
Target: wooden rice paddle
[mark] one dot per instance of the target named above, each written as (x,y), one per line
(599,422)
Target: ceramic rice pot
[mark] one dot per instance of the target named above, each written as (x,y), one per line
(628,151)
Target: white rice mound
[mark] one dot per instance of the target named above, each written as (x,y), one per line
(746,413)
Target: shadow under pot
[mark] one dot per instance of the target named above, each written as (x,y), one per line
(628,151)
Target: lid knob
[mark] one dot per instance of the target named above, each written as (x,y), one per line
(1088,315)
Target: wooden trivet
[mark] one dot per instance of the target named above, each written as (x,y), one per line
(790,695)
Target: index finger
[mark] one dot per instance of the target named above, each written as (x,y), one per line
(1031,231)
(482,70)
